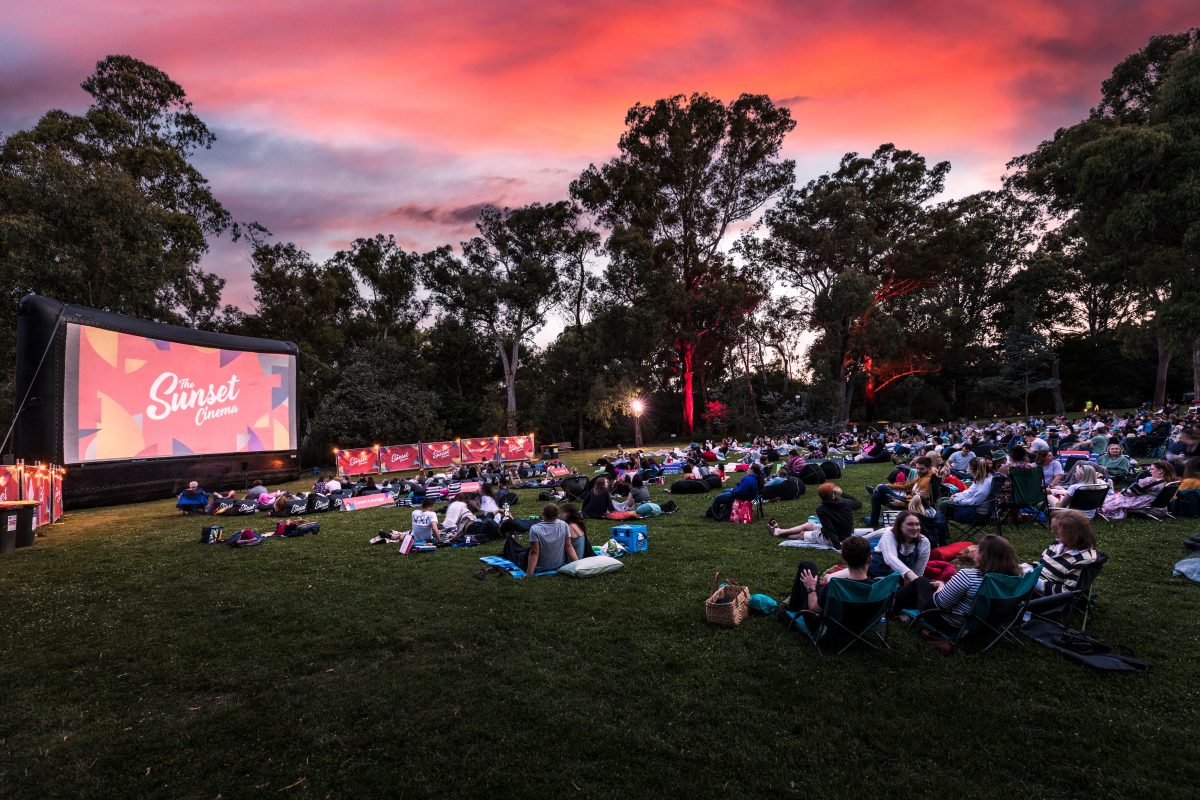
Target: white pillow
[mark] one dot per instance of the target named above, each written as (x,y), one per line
(587,567)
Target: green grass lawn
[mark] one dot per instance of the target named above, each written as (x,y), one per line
(138,662)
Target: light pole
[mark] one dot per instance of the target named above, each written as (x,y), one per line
(637,407)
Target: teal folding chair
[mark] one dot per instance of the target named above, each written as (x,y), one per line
(854,613)
(998,607)
(1028,491)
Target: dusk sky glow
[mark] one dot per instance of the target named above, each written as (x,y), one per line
(340,120)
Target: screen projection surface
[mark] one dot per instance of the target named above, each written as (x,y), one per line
(131,397)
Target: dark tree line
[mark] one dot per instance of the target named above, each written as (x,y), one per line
(690,269)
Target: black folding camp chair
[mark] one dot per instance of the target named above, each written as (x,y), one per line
(854,613)
(986,514)
(1159,509)
(995,614)
(1080,600)
(1083,500)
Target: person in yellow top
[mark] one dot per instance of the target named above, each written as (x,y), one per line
(1191,475)
(897,495)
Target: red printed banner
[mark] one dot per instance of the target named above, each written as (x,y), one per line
(516,448)
(477,451)
(439,454)
(56,509)
(356,462)
(10,485)
(399,457)
(41,484)
(127,396)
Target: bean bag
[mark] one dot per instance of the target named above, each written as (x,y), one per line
(291,507)
(232,507)
(790,489)
(318,503)
(713,481)
(812,474)
(689,486)
(831,469)
(509,498)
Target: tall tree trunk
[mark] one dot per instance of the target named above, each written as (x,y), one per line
(1059,406)
(1164,361)
(1196,370)
(509,365)
(749,383)
(687,355)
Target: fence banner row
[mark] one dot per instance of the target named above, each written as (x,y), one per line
(433,455)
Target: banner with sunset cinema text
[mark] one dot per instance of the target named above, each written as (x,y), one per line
(127,396)
(477,451)
(10,484)
(439,454)
(399,457)
(516,448)
(356,462)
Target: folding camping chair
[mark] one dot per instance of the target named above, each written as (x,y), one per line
(1159,509)
(1081,599)
(987,513)
(1083,500)
(854,613)
(1028,491)
(999,605)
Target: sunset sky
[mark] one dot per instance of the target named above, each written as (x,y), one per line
(340,120)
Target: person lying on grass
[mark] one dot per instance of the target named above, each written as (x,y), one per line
(836,519)
(808,590)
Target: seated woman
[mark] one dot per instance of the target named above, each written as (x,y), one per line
(487,499)
(599,503)
(836,519)
(1073,549)
(1115,464)
(808,591)
(1052,469)
(903,549)
(954,598)
(1191,476)
(1085,478)
(1138,494)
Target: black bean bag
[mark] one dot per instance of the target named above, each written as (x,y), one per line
(318,503)
(509,498)
(575,487)
(812,474)
(689,486)
(291,507)
(790,489)
(713,481)
(231,507)
(831,469)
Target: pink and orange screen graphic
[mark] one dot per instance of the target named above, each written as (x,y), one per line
(128,396)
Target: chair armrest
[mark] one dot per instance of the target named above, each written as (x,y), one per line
(1051,603)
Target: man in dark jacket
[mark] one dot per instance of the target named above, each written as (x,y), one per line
(836,519)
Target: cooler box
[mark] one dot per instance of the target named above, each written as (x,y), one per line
(634,538)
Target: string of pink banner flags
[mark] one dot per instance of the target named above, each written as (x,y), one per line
(432,455)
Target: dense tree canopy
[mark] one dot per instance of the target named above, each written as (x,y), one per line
(862,291)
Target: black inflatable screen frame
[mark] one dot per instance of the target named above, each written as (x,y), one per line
(38,433)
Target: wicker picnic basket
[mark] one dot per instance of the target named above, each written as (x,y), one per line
(728,604)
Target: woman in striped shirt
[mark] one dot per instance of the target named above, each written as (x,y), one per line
(1073,549)
(955,597)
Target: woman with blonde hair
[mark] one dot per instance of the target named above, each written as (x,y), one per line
(1086,477)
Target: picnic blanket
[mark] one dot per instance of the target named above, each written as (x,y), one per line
(515,572)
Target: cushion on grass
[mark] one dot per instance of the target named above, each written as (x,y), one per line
(589,567)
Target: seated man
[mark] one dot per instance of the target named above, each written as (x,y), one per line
(424,522)
(835,516)
(192,500)
(808,590)
(897,495)
(547,549)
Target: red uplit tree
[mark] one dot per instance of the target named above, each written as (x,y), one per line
(688,169)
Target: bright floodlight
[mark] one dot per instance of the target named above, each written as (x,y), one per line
(637,406)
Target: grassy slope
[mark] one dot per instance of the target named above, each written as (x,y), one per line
(139,663)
